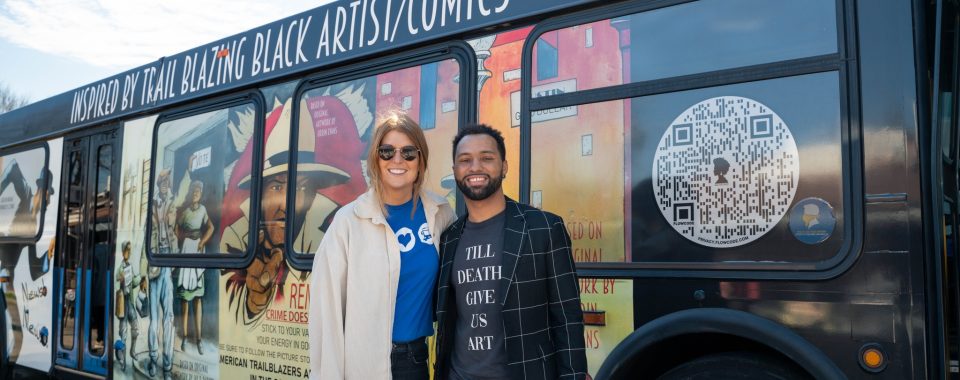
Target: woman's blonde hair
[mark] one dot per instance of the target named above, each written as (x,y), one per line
(404,124)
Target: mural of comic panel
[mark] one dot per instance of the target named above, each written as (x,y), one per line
(717,35)
(263,307)
(498,82)
(577,158)
(571,143)
(29,183)
(334,128)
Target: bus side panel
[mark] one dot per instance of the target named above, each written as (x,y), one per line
(25,274)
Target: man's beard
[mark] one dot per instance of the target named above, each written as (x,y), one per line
(493,184)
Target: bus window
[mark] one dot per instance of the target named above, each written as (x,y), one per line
(102,248)
(193,162)
(684,39)
(335,122)
(70,254)
(24,191)
(696,164)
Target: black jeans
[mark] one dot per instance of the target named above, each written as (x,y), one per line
(408,361)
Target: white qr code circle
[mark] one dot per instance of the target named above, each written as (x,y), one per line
(725,171)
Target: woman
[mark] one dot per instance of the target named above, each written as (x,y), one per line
(194,229)
(375,270)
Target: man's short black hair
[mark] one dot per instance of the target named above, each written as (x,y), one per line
(480,129)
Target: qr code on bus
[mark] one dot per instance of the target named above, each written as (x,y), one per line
(725,171)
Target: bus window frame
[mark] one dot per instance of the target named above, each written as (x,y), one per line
(844,62)
(211,259)
(458,50)
(43,203)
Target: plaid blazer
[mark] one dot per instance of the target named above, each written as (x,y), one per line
(539,293)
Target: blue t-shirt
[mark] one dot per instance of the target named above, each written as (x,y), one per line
(419,264)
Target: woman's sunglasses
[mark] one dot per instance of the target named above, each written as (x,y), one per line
(409,152)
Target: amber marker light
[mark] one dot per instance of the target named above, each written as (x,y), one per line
(872,358)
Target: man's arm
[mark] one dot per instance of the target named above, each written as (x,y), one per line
(566,315)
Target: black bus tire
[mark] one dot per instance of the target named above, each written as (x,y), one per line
(736,365)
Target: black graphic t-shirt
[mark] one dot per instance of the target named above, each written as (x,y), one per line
(478,350)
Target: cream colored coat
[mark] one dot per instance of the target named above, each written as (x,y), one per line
(354,289)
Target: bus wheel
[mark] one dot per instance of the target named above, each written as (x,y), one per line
(736,365)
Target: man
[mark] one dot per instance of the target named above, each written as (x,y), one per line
(508,302)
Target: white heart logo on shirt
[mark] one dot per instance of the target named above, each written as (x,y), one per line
(406,239)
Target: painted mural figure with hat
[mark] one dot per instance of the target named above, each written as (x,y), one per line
(261,278)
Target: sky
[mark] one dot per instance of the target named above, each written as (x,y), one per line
(48,47)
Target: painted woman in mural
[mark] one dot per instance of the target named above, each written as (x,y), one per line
(193,229)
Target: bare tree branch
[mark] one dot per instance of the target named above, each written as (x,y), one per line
(10,100)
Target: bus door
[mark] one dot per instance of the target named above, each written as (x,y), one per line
(87,233)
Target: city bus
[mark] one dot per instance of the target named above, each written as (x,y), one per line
(770,189)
